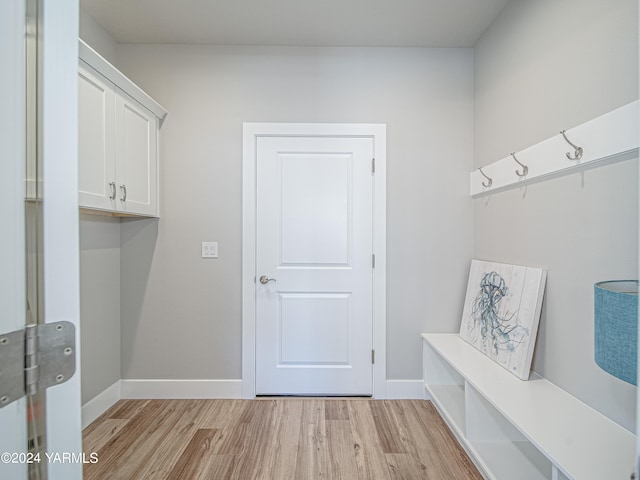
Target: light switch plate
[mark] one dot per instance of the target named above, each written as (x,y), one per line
(209,249)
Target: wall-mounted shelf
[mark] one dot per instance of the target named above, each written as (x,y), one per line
(529,430)
(610,137)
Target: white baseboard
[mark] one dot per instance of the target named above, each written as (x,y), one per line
(175,389)
(100,404)
(405,390)
(426,394)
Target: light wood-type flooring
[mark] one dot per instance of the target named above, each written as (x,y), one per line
(274,439)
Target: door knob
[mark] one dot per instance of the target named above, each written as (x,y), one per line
(264,279)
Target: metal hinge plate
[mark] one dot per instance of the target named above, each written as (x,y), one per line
(35,358)
(373,356)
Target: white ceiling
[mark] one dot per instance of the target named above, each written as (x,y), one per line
(406,23)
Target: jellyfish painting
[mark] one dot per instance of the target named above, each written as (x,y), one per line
(498,331)
(501,313)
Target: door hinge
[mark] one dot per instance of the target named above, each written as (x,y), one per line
(373,260)
(373,165)
(35,358)
(373,356)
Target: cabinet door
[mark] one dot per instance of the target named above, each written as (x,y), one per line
(137,159)
(96,144)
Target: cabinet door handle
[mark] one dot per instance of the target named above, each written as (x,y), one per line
(124,193)
(112,185)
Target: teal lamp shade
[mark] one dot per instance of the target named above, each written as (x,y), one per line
(616,328)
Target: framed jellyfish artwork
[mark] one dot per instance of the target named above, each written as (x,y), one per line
(502,311)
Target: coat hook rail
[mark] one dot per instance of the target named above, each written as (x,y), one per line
(578,150)
(525,169)
(486,185)
(611,137)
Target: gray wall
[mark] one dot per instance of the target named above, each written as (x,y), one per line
(99,271)
(99,303)
(96,37)
(542,67)
(181,315)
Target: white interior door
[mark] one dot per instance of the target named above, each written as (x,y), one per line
(314,253)
(13,424)
(50,137)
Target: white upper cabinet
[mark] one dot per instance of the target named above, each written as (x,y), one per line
(136,157)
(96,141)
(118,128)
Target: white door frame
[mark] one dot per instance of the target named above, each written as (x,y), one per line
(61,218)
(59,143)
(251,131)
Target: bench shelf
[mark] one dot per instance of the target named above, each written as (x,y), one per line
(530,430)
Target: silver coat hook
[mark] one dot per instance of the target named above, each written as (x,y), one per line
(525,169)
(578,150)
(486,185)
